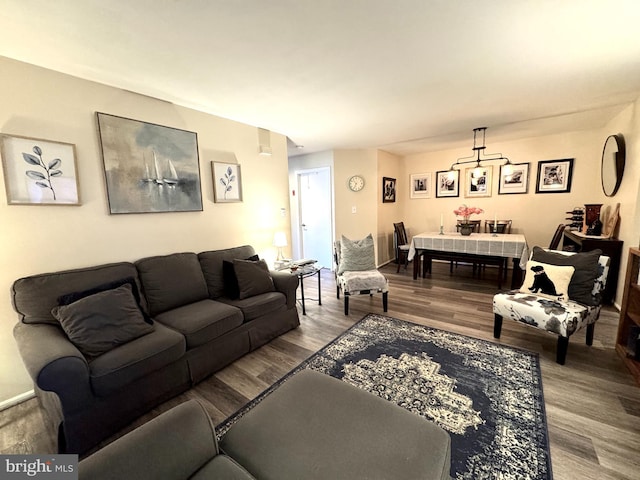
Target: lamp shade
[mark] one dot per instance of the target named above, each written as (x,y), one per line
(280,239)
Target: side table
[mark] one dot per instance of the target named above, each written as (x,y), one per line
(303,272)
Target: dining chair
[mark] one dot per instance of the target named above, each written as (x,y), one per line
(476,229)
(476,225)
(557,236)
(501,226)
(401,245)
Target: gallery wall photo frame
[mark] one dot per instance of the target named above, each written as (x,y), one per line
(448,183)
(388,190)
(420,185)
(478,181)
(227,182)
(554,176)
(39,172)
(149,168)
(516,181)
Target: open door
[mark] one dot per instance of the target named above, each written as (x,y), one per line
(314,187)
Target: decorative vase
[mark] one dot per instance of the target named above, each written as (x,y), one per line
(466,229)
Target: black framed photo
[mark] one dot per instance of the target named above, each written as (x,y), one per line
(514,179)
(554,176)
(388,190)
(448,183)
(149,168)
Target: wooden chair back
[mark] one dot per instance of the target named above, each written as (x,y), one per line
(502,226)
(557,236)
(401,234)
(475,223)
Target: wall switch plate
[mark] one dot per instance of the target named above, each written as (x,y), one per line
(353,209)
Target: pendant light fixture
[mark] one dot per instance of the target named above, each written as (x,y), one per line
(477,159)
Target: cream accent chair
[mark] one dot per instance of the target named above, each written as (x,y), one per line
(356,272)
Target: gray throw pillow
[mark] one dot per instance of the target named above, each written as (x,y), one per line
(253,278)
(100,322)
(584,277)
(357,255)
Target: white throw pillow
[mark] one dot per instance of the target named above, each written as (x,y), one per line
(550,281)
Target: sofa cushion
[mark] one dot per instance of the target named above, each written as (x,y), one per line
(258,305)
(231,289)
(223,468)
(211,263)
(316,426)
(33,297)
(102,321)
(202,321)
(68,298)
(171,281)
(253,278)
(133,360)
(547,280)
(357,255)
(586,266)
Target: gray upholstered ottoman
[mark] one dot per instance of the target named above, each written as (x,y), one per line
(317,427)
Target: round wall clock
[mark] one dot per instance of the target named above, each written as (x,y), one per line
(356,183)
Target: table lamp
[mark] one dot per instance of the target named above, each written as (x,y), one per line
(280,240)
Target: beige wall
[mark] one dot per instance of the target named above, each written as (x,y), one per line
(34,239)
(389,213)
(366,202)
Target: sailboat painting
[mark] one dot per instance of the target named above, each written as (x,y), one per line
(149,168)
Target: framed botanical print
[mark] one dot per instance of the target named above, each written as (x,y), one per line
(227,182)
(478,181)
(388,190)
(448,183)
(554,176)
(39,172)
(421,185)
(515,179)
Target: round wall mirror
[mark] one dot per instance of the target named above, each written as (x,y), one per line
(613,160)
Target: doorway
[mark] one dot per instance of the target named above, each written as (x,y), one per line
(315,215)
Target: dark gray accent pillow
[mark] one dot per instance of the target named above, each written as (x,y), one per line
(253,278)
(100,322)
(586,272)
(231,289)
(69,298)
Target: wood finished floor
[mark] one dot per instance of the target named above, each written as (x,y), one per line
(592,402)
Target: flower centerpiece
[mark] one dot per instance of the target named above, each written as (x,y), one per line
(466,227)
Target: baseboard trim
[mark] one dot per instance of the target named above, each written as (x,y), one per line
(23,397)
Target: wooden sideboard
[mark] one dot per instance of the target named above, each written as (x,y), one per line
(610,247)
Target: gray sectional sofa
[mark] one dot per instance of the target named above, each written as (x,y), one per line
(313,426)
(107,343)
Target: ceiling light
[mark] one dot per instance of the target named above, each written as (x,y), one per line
(476,158)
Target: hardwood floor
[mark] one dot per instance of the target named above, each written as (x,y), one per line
(592,402)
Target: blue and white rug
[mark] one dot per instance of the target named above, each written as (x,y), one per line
(487,396)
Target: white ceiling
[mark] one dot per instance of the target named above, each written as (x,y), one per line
(401,75)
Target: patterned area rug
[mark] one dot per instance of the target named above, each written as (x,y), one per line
(487,396)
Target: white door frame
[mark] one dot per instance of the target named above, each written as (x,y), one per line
(296,239)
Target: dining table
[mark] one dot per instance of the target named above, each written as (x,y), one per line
(483,248)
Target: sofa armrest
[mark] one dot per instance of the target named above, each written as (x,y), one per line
(54,363)
(176,444)
(286,283)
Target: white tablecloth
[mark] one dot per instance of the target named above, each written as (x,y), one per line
(500,245)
